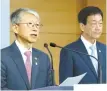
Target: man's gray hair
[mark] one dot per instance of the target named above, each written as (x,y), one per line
(16,15)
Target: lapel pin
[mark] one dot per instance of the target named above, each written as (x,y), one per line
(99,50)
(36,63)
(36,58)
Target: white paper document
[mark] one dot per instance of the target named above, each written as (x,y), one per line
(70,81)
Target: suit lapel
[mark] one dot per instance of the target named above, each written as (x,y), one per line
(100,56)
(86,58)
(35,65)
(17,57)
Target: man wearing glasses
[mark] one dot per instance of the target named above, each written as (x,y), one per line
(24,67)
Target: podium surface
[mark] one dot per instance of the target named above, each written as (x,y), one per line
(57,88)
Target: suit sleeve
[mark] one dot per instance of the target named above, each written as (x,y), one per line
(66,65)
(3,77)
(3,69)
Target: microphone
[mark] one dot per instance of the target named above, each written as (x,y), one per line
(52,69)
(46,46)
(99,66)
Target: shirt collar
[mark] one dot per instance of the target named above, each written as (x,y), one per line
(22,48)
(87,43)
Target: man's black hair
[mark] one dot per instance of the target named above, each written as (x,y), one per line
(87,11)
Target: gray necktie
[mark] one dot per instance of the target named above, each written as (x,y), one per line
(94,61)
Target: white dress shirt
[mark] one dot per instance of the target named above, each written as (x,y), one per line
(23,50)
(87,45)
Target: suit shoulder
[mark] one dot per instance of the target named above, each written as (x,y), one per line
(71,45)
(5,53)
(99,43)
(5,50)
(39,51)
(8,48)
(102,46)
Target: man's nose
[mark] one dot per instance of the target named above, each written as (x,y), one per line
(35,28)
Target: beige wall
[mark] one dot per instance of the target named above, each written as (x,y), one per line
(59,18)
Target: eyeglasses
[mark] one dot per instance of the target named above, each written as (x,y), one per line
(30,25)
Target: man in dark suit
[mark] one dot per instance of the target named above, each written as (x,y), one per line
(72,63)
(24,67)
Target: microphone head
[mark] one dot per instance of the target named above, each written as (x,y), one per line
(53,45)
(45,45)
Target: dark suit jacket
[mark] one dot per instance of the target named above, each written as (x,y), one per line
(13,72)
(74,64)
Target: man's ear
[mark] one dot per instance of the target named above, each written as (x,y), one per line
(82,26)
(15,28)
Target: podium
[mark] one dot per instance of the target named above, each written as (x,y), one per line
(56,88)
(65,85)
